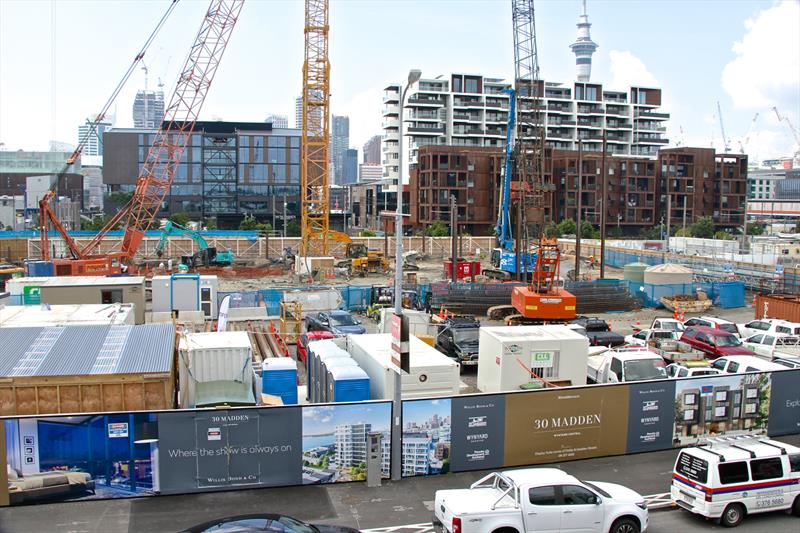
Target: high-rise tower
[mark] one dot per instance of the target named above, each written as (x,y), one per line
(583,47)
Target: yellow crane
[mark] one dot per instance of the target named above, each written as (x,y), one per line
(315,139)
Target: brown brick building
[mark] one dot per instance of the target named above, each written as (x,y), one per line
(637,189)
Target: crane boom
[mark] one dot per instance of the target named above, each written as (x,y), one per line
(315,136)
(788,122)
(180,116)
(725,140)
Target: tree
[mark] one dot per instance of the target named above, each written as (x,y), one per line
(181,219)
(120,198)
(211,223)
(9,228)
(723,235)
(292,229)
(248,223)
(96,224)
(588,231)
(366,233)
(652,233)
(551,231)
(754,228)
(567,227)
(683,232)
(703,228)
(437,229)
(615,232)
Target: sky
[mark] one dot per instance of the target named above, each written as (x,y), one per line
(60,60)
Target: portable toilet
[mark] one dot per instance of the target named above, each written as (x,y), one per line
(279,378)
(314,350)
(348,384)
(325,379)
(317,384)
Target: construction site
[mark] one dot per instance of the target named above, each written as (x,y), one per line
(155,357)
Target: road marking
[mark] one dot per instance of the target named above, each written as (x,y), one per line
(654,501)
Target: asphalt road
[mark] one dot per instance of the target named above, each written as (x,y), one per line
(396,507)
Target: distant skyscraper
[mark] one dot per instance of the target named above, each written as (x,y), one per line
(350,167)
(340,142)
(298,112)
(583,47)
(94,145)
(372,151)
(278,121)
(148,109)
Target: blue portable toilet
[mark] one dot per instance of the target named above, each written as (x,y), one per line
(279,378)
(348,384)
(317,383)
(330,363)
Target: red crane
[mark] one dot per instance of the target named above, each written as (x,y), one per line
(155,180)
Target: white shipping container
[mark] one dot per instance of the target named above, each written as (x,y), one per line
(44,315)
(432,373)
(185,292)
(314,301)
(507,355)
(213,356)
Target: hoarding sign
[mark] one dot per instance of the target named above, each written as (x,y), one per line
(784,410)
(478,427)
(556,425)
(400,356)
(651,412)
(202,450)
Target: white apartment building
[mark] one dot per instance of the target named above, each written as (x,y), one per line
(416,451)
(472,110)
(351,444)
(762,183)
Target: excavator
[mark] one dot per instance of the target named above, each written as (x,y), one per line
(206,256)
(359,259)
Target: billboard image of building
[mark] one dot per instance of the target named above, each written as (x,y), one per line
(335,441)
(426,437)
(721,405)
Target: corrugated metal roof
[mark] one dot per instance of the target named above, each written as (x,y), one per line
(143,349)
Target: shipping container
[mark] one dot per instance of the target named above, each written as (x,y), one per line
(511,357)
(431,374)
(27,316)
(279,378)
(216,368)
(39,269)
(347,384)
(783,306)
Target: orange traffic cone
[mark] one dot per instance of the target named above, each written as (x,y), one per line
(683,315)
(675,314)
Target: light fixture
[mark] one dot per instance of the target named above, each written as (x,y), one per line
(414,75)
(145,433)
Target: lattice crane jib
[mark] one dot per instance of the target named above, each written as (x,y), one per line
(531,125)
(315,140)
(170,141)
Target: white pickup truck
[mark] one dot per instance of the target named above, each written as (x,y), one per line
(625,364)
(770,346)
(539,500)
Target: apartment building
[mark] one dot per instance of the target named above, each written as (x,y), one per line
(472,110)
(351,444)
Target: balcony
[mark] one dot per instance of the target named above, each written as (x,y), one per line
(651,128)
(613,125)
(391,110)
(468,131)
(650,140)
(654,116)
(426,101)
(465,117)
(497,105)
(424,116)
(467,103)
(560,122)
(425,131)
(559,109)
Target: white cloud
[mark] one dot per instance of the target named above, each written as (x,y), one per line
(627,70)
(766,70)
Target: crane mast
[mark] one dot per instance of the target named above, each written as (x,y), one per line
(315,136)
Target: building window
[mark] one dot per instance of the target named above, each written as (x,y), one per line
(457,84)
(471,85)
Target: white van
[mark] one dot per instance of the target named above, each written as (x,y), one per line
(730,477)
(739,364)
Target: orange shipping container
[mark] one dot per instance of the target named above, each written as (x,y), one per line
(783,306)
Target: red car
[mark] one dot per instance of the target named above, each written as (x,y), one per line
(305,338)
(714,342)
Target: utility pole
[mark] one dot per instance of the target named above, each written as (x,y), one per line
(684,216)
(603,178)
(669,217)
(454,238)
(273,210)
(580,208)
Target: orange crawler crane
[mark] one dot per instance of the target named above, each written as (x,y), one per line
(543,301)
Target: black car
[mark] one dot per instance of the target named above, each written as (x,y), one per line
(599,332)
(270,523)
(459,339)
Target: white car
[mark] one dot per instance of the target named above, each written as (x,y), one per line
(690,369)
(648,336)
(768,325)
(539,500)
(772,345)
(713,322)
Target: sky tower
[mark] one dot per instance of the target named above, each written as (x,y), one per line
(583,47)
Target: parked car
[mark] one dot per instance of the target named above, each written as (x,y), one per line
(625,364)
(712,322)
(305,338)
(714,342)
(768,325)
(458,339)
(670,324)
(599,332)
(646,337)
(772,345)
(264,523)
(739,364)
(691,369)
(788,362)
(341,322)
(539,499)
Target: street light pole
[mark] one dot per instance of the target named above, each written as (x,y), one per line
(397,402)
